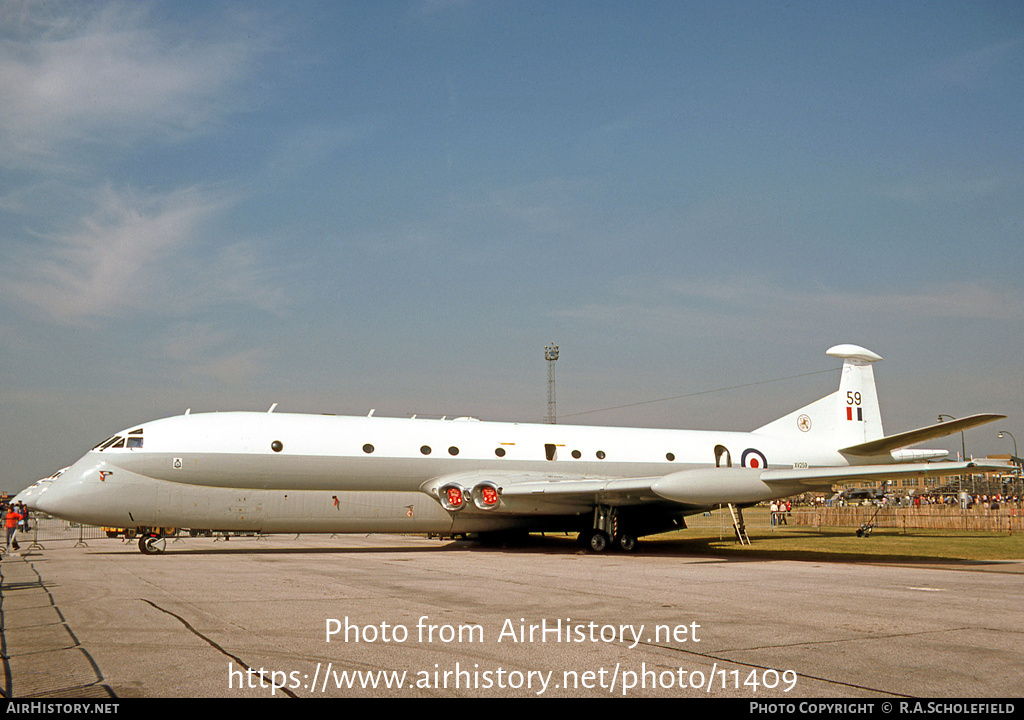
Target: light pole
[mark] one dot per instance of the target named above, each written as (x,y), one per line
(1016,459)
(551,354)
(963,445)
(1007,432)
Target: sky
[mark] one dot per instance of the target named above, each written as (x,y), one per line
(396,205)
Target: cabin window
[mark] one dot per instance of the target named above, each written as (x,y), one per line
(367,448)
(577,454)
(722,456)
(670,456)
(277,446)
(425,449)
(600,454)
(453,450)
(500,452)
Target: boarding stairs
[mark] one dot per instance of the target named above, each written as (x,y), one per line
(738,524)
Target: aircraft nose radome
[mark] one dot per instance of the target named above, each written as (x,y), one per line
(66,496)
(51,502)
(75,503)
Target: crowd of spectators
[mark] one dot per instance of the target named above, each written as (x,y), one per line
(969,501)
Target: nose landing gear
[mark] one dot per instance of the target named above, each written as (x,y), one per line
(152,544)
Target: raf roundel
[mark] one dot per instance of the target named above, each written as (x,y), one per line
(752,458)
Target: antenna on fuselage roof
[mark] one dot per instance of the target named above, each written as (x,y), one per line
(188,411)
(272,408)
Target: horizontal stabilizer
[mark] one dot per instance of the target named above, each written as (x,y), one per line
(825,476)
(885,445)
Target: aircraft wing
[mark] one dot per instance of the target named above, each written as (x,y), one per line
(528,493)
(885,445)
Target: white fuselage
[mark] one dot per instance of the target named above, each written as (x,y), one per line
(277,472)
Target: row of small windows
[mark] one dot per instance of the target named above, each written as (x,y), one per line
(368,448)
(425,449)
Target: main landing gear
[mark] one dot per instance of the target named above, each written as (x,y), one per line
(599,541)
(606,532)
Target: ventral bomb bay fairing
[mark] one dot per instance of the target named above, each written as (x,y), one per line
(289,473)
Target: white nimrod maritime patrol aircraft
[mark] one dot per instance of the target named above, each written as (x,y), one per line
(276,472)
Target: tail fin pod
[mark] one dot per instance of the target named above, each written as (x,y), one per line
(849,416)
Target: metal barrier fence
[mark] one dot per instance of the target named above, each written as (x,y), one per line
(937,517)
(45,529)
(940,517)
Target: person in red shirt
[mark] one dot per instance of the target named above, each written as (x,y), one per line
(11,523)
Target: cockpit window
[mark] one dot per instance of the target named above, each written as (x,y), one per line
(118,441)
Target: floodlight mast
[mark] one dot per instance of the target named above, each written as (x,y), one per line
(551,355)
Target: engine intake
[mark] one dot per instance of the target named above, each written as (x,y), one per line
(485,496)
(452,497)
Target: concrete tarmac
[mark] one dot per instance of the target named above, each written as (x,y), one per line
(357,616)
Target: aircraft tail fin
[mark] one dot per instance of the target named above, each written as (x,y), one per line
(849,422)
(845,418)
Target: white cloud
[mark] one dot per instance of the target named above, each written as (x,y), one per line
(110,76)
(102,266)
(313,145)
(434,7)
(82,88)
(976,67)
(137,253)
(951,187)
(709,307)
(950,299)
(204,350)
